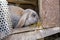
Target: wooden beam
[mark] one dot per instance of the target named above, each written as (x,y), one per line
(40,7)
(33,35)
(22,2)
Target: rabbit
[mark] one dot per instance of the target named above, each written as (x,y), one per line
(30,17)
(21,17)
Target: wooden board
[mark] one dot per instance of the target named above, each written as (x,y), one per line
(33,35)
(22,2)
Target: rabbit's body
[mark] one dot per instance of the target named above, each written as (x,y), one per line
(16,14)
(22,17)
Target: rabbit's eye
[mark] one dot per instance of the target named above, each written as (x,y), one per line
(33,15)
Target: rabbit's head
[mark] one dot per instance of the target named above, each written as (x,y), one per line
(29,17)
(32,17)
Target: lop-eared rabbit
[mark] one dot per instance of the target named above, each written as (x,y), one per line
(21,17)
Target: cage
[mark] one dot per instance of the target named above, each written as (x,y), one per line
(48,12)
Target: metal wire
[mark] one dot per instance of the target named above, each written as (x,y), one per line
(5,21)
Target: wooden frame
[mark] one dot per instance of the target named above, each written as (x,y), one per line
(21,2)
(40,6)
(35,33)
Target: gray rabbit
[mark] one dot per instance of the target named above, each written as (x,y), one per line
(21,17)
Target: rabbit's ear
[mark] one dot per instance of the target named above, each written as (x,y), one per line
(22,20)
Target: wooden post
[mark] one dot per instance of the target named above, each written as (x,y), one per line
(40,6)
(40,12)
